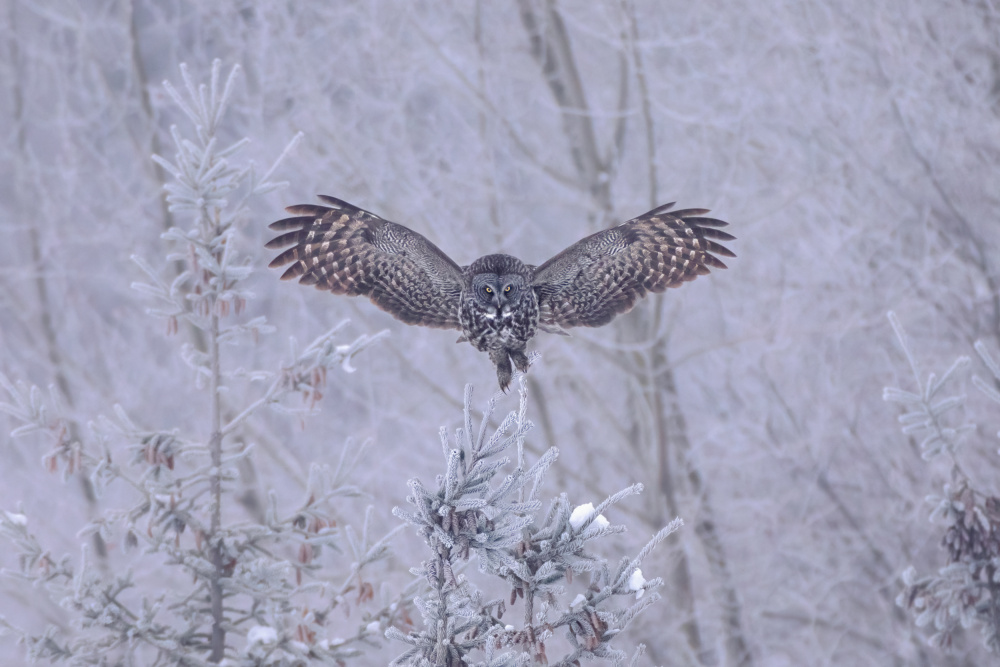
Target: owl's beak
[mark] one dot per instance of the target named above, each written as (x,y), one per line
(496,300)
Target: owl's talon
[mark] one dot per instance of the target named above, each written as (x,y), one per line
(520,360)
(505,373)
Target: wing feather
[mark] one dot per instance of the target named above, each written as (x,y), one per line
(605,274)
(347,250)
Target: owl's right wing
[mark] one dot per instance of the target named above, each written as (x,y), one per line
(347,250)
(604,274)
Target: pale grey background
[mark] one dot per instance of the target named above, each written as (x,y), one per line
(853,146)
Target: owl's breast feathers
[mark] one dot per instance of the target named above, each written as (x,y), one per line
(489,327)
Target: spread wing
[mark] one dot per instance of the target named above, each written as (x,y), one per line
(603,275)
(350,251)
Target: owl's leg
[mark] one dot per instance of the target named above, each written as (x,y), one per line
(520,360)
(504,371)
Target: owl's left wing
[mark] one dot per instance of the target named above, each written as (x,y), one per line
(604,274)
(348,250)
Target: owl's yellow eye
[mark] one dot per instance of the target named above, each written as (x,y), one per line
(506,289)
(489,290)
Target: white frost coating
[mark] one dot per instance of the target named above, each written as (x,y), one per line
(372,627)
(508,628)
(583,512)
(17,519)
(578,602)
(261,634)
(635,583)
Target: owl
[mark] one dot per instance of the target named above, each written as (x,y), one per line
(498,302)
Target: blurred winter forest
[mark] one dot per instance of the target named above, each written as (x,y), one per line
(853,146)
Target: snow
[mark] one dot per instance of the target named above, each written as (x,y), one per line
(635,583)
(346,363)
(17,519)
(262,634)
(581,513)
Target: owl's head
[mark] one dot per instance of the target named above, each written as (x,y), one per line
(498,281)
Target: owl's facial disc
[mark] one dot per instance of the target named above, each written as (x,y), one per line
(510,287)
(488,289)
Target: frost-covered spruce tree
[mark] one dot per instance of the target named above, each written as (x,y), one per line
(487,506)
(237,593)
(965,592)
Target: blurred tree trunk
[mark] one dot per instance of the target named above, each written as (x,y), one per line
(46,323)
(655,384)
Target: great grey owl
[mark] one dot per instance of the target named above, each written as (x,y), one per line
(498,302)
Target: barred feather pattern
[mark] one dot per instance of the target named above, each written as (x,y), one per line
(605,274)
(348,250)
